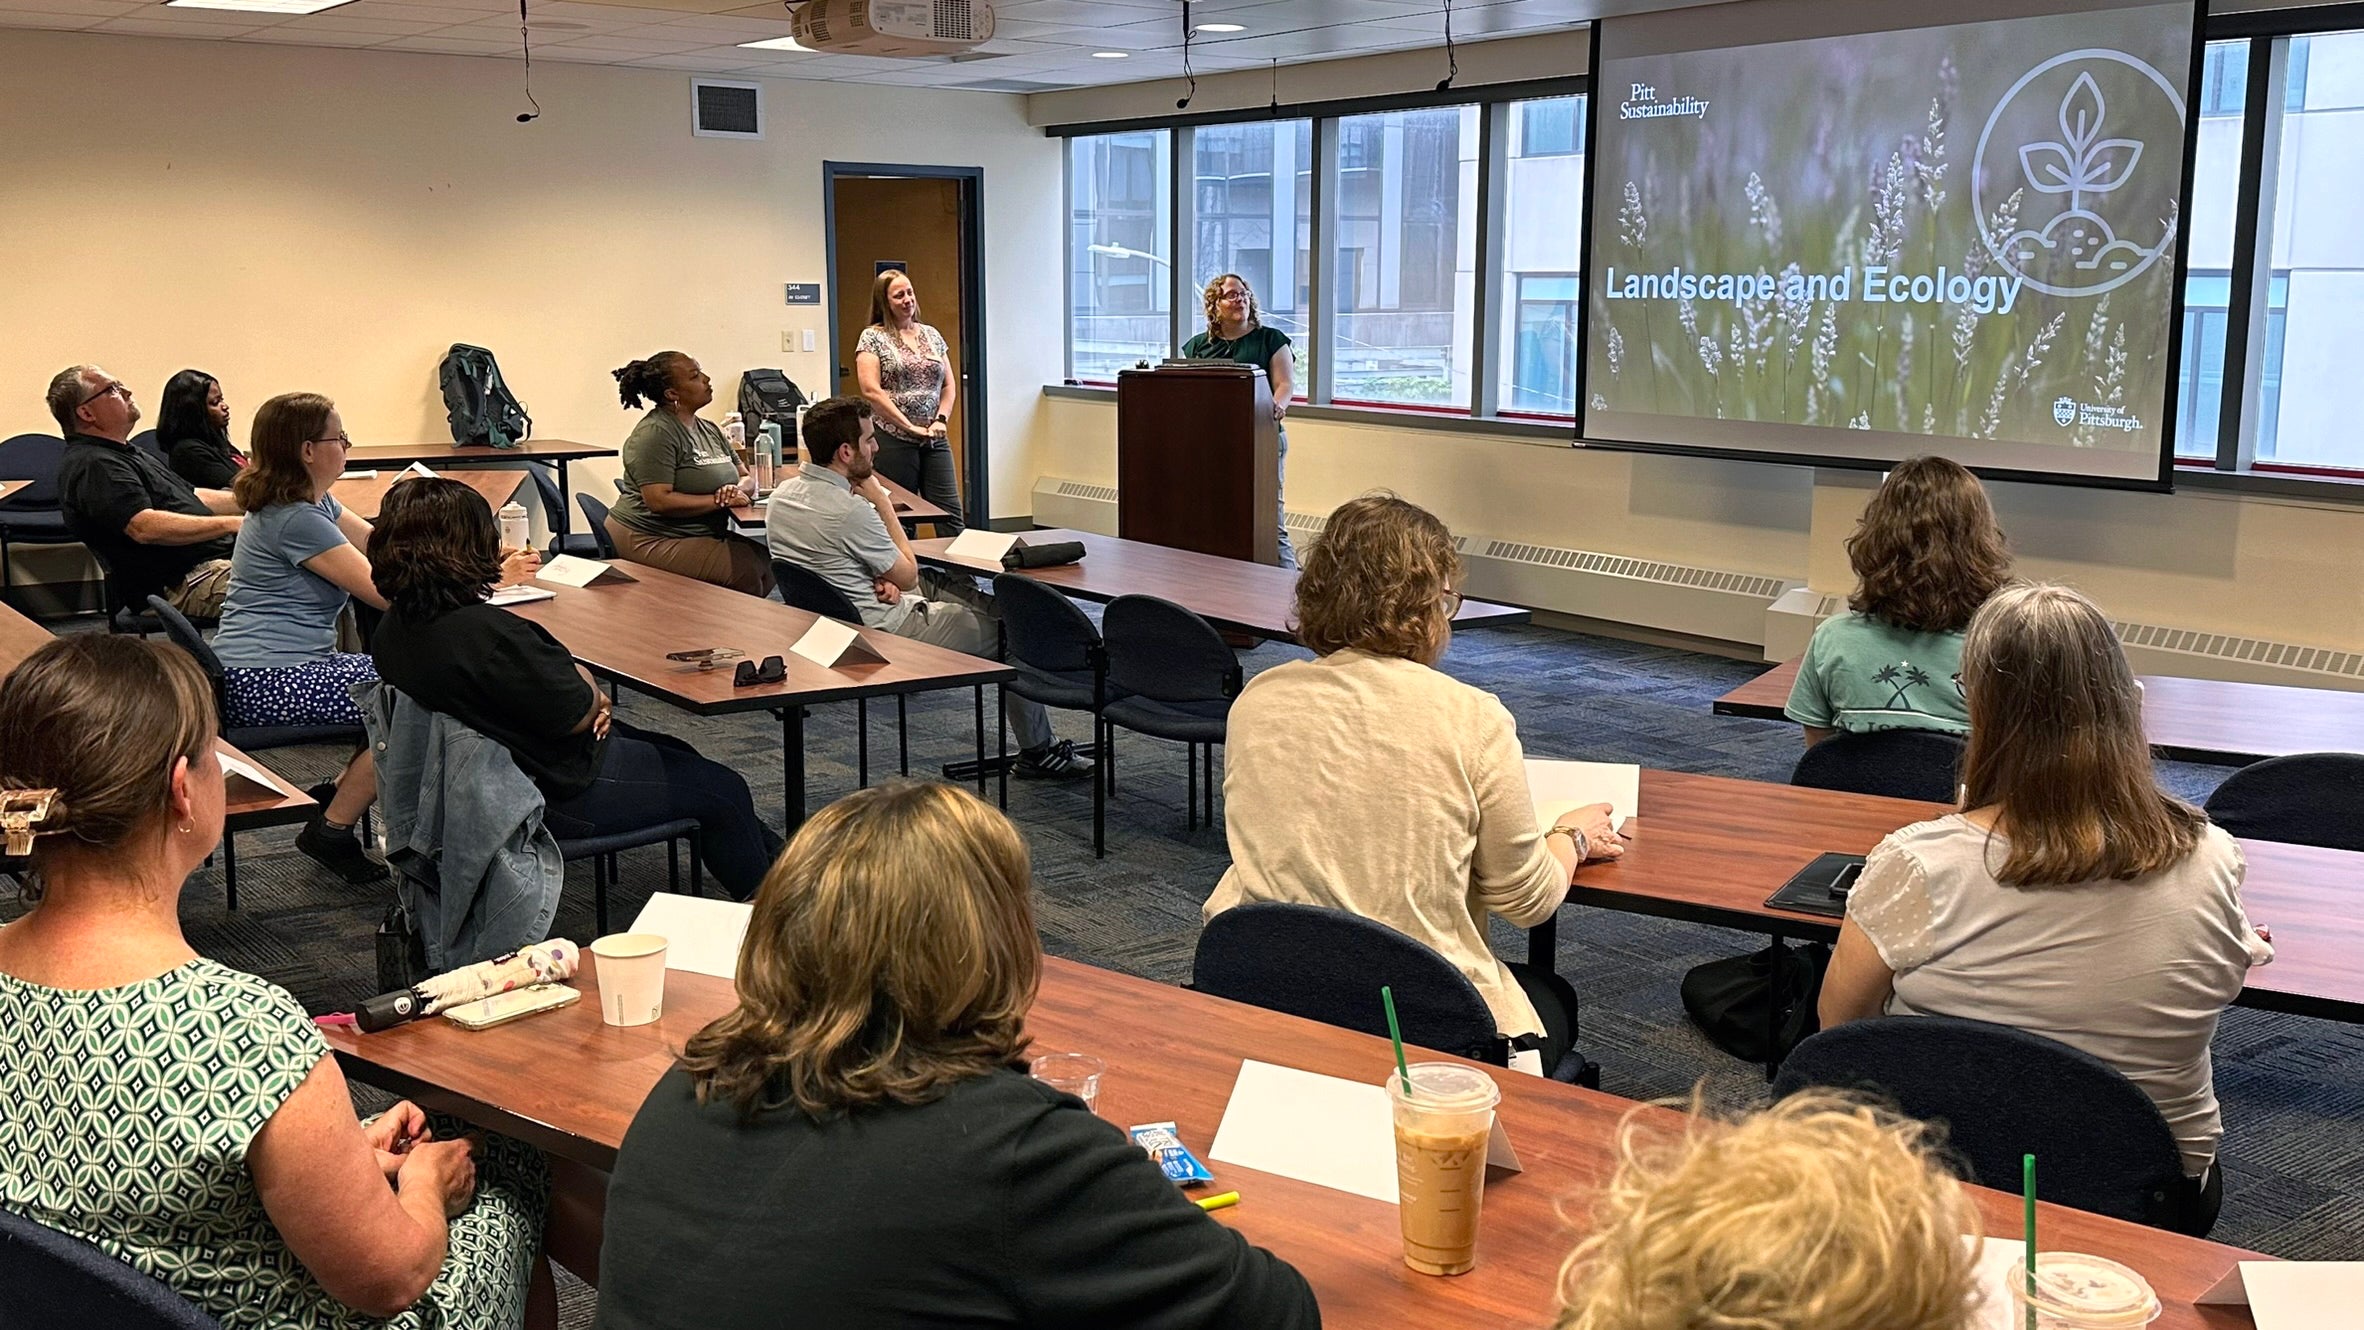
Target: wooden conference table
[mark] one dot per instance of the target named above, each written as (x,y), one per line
(362,496)
(569,1084)
(1228,593)
(622,630)
(559,452)
(2188,720)
(1710,849)
(748,518)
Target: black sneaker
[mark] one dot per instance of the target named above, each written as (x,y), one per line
(339,852)
(1056,761)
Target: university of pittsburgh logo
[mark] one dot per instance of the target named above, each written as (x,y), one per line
(2064,411)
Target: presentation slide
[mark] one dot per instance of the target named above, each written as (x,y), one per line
(1817,240)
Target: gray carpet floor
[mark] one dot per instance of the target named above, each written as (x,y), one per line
(2292,1088)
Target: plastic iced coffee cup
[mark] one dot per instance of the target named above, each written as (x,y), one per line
(2079,1292)
(631,977)
(1441,1126)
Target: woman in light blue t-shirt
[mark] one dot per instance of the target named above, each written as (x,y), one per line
(1926,555)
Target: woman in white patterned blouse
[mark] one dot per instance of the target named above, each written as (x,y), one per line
(906,374)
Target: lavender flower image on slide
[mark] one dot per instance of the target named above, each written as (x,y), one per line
(1962,230)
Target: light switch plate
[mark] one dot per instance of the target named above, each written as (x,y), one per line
(787,340)
(808,339)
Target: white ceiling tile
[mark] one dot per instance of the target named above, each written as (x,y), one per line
(446,45)
(693,62)
(19,18)
(1080,12)
(355,27)
(91,8)
(149,27)
(622,46)
(281,36)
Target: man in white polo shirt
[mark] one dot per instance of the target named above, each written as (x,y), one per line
(835,519)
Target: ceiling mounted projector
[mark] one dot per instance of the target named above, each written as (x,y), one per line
(893,27)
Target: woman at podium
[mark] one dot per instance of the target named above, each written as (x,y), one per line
(1234,332)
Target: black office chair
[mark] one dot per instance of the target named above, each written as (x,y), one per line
(602,850)
(253,738)
(2001,1093)
(1327,965)
(581,544)
(51,1278)
(595,513)
(2304,799)
(1901,764)
(1171,676)
(123,614)
(30,516)
(147,442)
(803,589)
(1061,662)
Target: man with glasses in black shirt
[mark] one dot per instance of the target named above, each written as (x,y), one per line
(154,532)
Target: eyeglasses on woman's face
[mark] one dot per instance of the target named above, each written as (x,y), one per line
(1452,602)
(344,441)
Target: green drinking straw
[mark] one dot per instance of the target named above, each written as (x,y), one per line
(2028,1172)
(1396,1033)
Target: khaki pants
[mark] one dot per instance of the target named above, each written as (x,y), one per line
(723,560)
(201,593)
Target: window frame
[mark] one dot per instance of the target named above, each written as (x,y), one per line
(2271,35)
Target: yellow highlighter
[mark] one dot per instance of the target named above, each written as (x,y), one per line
(1223,1202)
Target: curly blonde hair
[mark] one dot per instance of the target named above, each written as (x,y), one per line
(1823,1212)
(1376,581)
(1211,298)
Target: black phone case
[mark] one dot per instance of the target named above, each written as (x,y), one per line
(1809,891)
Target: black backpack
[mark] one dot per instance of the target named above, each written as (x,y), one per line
(1727,1000)
(479,405)
(767,395)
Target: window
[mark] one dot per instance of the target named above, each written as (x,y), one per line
(2216,172)
(1252,214)
(1404,257)
(2305,375)
(1543,200)
(1120,251)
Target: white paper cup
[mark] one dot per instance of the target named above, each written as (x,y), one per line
(631,977)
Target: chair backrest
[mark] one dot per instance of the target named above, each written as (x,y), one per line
(595,513)
(1902,764)
(1161,651)
(147,442)
(32,457)
(2306,799)
(1043,628)
(184,635)
(2003,1094)
(49,1278)
(1327,965)
(803,589)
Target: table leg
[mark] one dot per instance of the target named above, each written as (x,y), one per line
(1543,944)
(565,502)
(981,772)
(792,765)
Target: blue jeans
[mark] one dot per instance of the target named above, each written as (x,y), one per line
(646,778)
(1288,552)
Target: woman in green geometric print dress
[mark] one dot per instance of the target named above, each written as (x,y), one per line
(183,1116)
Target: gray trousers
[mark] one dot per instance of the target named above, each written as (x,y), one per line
(956,615)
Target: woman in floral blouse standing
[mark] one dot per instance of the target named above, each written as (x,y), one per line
(906,375)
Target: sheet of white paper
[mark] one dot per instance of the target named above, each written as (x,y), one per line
(520,594)
(1319,1129)
(359,475)
(702,935)
(417,469)
(571,570)
(1559,786)
(1995,1256)
(977,543)
(2293,1295)
(825,641)
(233,767)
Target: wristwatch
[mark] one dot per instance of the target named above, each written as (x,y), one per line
(1576,840)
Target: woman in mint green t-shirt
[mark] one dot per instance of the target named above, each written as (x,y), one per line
(1926,554)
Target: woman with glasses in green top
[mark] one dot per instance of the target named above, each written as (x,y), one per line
(1235,332)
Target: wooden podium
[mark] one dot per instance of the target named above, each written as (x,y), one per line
(1198,459)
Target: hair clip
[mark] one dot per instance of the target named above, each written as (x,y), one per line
(20,811)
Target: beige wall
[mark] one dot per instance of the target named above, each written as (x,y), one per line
(2273,568)
(289,218)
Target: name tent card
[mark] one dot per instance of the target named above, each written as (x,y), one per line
(576,571)
(1559,786)
(703,934)
(244,780)
(986,546)
(416,469)
(2289,1295)
(831,643)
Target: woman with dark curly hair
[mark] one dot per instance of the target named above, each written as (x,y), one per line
(1927,554)
(680,481)
(867,1112)
(1425,822)
(435,555)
